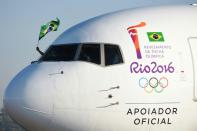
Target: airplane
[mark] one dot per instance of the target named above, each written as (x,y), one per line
(130,70)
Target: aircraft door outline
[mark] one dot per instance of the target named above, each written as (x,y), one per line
(193,50)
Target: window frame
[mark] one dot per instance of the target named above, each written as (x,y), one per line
(78,52)
(40,58)
(120,50)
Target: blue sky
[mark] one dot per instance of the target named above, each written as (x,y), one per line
(20,22)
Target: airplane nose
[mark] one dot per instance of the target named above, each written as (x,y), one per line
(28,98)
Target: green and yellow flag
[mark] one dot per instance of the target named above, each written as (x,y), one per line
(155,36)
(50,26)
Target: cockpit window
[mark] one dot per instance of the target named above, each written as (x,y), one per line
(60,53)
(112,55)
(90,53)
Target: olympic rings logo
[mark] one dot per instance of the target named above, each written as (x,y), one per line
(153,84)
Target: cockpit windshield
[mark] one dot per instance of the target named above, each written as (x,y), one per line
(60,53)
(97,53)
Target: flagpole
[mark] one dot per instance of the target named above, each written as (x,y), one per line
(38,49)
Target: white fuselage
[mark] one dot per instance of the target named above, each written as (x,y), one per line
(149,85)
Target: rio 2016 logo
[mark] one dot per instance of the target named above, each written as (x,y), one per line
(153,67)
(153,84)
(134,36)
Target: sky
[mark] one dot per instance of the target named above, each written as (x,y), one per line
(20,22)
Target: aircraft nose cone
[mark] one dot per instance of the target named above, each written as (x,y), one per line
(27,98)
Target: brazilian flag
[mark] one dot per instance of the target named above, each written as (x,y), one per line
(155,36)
(50,26)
